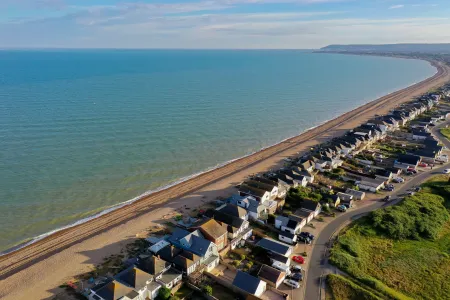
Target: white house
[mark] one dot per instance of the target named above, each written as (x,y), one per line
(287,237)
(289,224)
(344,196)
(275,247)
(272,189)
(358,195)
(370,184)
(258,194)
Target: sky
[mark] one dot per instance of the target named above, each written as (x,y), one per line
(236,24)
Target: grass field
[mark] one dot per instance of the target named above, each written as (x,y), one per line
(401,266)
(345,289)
(446,132)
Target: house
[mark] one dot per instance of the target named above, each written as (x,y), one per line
(289,224)
(348,203)
(307,174)
(335,200)
(249,285)
(154,266)
(158,246)
(305,214)
(358,195)
(344,196)
(294,176)
(287,237)
(307,165)
(256,210)
(283,178)
(275,247)
(420,134)
(195,243)
(233,210)
(407,161)
(370,184)
(113,290)
(283,187)
(187,262)
(315,207)
(213,231)
(258,194)
(272,276)
(238,229)
(272,189)
(429,154)
(383,174)
(170,278)
(277,258)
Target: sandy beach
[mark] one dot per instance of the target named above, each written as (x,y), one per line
(36,271)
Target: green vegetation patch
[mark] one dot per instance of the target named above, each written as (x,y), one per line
(446,132)
(345,289)
(402,252)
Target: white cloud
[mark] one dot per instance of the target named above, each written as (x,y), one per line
(396,6)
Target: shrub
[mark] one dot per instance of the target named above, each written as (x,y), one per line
(304,254)
(242,256)
(236,262)
(249,265)
(326,209)
(207,289)
(163,293)
(320,219)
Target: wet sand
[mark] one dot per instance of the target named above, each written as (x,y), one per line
(34,272)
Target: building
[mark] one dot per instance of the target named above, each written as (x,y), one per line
(272,189)
(195,243)
(256,210)
(259,194)
(213,231)
(371,184)
(407,161)
(344,196)
(272,276)
(307,215)
(289,224)
(113,290)
(247,284)
(282,187)
(335,200)
(358,195)
(275,247)
(287,237)
(274,257)
(315,207)
(233,210)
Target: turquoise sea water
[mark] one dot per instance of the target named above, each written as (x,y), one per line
(83,130)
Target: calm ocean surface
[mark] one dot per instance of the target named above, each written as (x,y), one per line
(83,130)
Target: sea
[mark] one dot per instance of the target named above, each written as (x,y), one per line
(84,130)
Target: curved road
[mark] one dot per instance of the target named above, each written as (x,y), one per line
(318,264)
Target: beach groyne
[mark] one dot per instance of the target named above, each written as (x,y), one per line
(59,241)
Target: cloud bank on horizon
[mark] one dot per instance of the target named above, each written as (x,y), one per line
(220,23)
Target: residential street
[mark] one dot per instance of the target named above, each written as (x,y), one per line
(318,264)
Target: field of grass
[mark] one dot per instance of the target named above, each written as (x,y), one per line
(345,289)
(413,265)
(446,132)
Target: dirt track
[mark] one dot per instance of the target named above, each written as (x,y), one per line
(18,261)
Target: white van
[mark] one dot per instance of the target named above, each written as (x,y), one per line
(282,267)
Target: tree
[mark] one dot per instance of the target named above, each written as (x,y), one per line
(207,289)
(164,293)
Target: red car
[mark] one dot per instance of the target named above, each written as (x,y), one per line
(422,164)
(299,259)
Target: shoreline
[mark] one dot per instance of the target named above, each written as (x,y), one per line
(14,262)
(32,240)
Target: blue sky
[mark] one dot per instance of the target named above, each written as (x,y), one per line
(220,23)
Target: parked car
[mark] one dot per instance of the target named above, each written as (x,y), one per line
(417,189)
(291,283)
(411,193)
(412,170)
(423,165)
(297,269)
(307,234)
(447,171)
(387,198)
(304,239)
(299,259)
(389,188)
(398,180)
(341,208)
(297,277)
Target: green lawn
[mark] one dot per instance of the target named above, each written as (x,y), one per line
(411,265)
(345,289)
(446,132)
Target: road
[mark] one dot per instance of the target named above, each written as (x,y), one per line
(318,264)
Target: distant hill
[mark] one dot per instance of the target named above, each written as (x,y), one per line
(389,48)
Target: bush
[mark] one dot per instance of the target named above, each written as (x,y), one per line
(207,289)
(236,262)
(242,256)
(249,265)
(326,209)
(304,254)
(320,219)
(163,293)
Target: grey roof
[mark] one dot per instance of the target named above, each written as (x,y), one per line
(303,213)
(233,210)
(154,265)
(284,220)
(169,276)
(277,257)
(292,224)
(408,159)
(246,282)
(113,290)
(250,190)
(134,277)
(219,216)
(270,274)
(310,205)
(152,286)
(197,244)
(274,246)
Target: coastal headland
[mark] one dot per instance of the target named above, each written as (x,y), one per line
(35,271)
